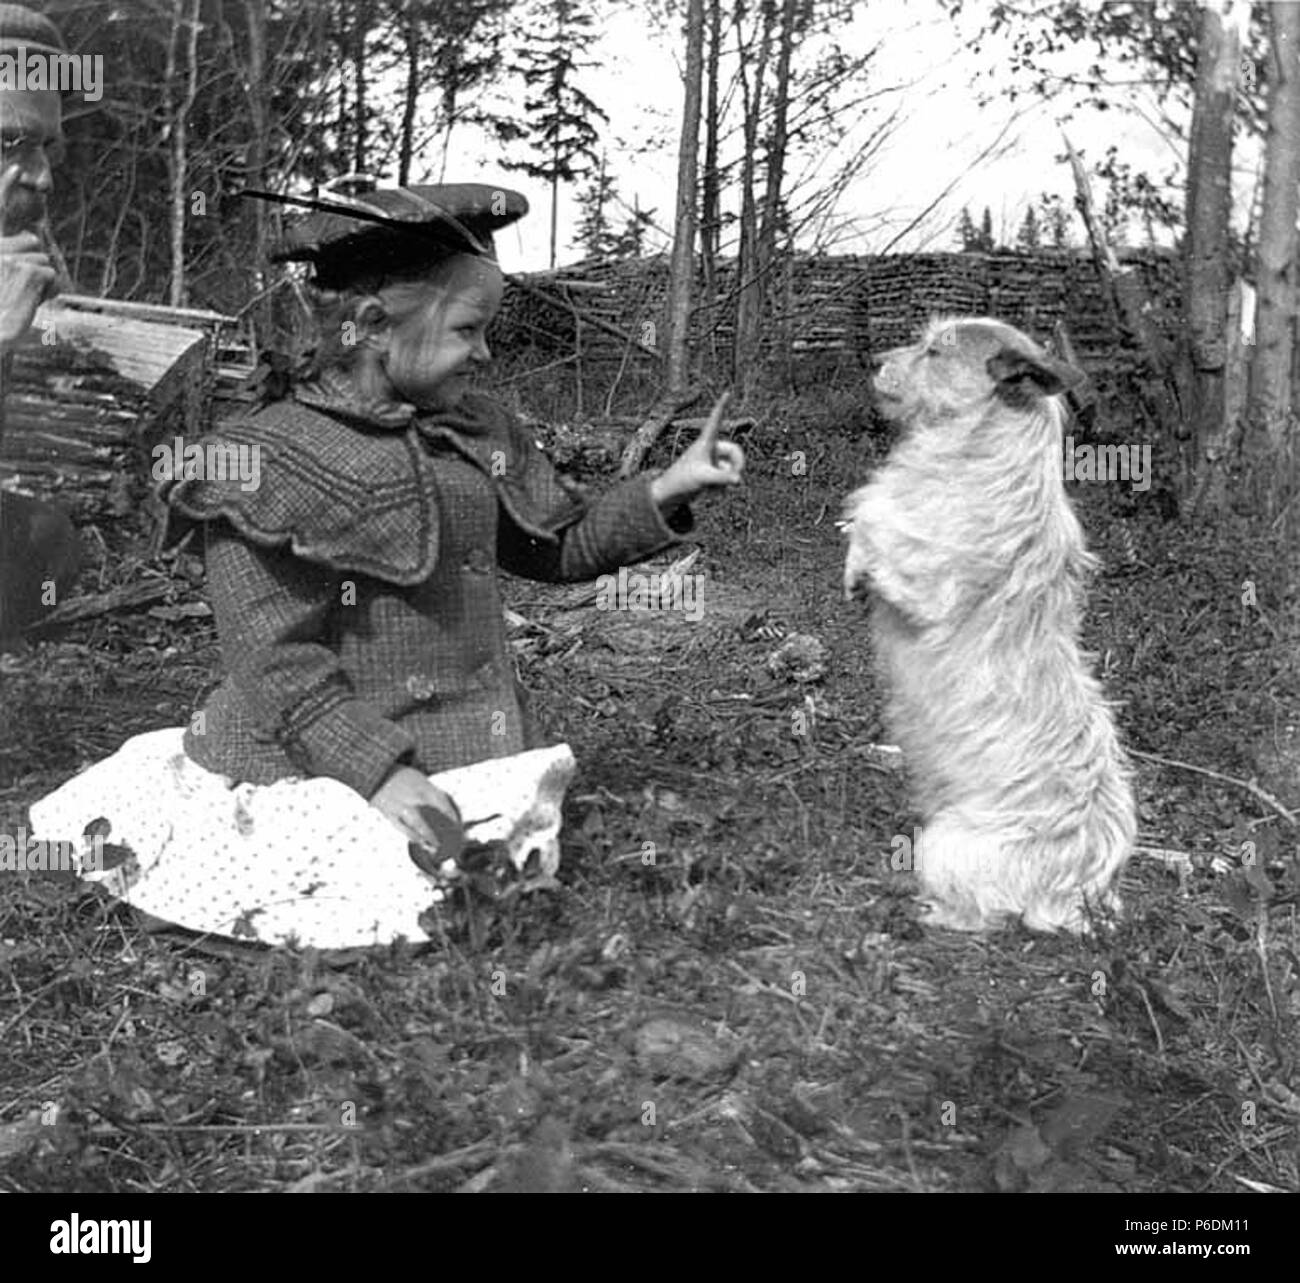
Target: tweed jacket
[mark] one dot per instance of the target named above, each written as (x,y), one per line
(355,590)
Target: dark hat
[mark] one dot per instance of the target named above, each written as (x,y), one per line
(21,27)
(358,231)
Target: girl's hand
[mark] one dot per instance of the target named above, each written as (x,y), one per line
(403,795)
(705,464)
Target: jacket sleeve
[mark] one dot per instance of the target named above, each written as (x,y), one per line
(270,607)
(618,528)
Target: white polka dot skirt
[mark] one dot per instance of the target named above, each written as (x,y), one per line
(305,861)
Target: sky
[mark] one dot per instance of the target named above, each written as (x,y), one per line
(1003,155)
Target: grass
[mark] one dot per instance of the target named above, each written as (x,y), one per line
(759,1008)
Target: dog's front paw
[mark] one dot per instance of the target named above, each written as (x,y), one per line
(958,917)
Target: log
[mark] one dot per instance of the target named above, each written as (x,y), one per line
(94,385)
(128,596)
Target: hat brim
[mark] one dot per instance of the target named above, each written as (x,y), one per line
(395,230)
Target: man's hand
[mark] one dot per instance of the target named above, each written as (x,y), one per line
(705,464)
(402,797)
(27,276)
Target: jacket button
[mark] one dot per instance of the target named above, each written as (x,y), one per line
(478,561)
(420,687)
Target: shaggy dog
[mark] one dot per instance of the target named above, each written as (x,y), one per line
(976,561)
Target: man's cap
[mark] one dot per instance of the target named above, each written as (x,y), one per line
(358,232)
(21,27)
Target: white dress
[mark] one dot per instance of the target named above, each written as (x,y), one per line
(305,861)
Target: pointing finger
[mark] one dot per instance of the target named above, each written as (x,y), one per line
(710,430)
(708,438)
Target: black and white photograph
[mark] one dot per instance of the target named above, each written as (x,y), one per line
(650,596)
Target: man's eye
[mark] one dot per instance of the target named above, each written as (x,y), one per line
(29,145)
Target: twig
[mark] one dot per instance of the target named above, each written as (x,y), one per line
(1151,1015)
(1249,785)
(466,1156)
(217,1129)
(1179,860)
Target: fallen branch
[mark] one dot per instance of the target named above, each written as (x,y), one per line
(1249,785)
(127,597)
(669,407)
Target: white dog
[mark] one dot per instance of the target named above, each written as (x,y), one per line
(975,561)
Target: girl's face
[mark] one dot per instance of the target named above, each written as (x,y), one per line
(429,353)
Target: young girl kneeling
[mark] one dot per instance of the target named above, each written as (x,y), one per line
(351,571)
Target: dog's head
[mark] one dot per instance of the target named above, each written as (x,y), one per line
(961,365)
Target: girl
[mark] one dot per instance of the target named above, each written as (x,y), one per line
(352,580)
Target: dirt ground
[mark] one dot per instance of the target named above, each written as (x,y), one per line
(759,1008)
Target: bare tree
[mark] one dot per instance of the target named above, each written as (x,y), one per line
(1209,203)
(710,201)
(184,28)
(361,17)
(259,130)
(749,290)
(1269,398)
(412,29)
(765,255)
(681,288)
(677,396)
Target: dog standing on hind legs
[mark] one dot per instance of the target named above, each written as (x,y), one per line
(976,562)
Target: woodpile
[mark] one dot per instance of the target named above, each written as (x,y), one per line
(837,307)
(95,385)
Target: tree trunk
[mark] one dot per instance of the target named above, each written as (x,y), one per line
(1269,397)
(767,228)
(710,211)
(359,72)
(406,145)
(1130,309)
(1209,196)
(682,279)
(555,200)
(185,18)
(255,168)
(748,297)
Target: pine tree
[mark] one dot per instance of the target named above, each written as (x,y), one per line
(630,242)
(966,232)
(1055,220)
(1029,236)
(986,231)
(560,116)
(593,236)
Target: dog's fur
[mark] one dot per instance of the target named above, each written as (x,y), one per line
(976,562)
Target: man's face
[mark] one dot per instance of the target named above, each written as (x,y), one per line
(31,138)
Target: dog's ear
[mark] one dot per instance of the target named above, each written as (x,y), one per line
(1014,367)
